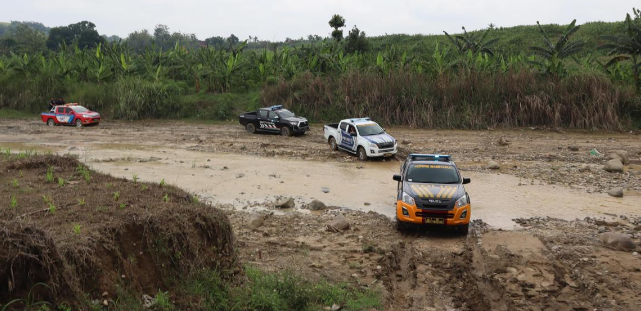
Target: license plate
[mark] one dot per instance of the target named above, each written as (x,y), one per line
(387,155)
(436,221)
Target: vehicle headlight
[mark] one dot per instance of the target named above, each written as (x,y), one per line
(373,145)
(462,201)
(85,116)
(293,123)
(407,199)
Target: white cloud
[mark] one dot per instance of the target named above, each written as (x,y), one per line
(278,19)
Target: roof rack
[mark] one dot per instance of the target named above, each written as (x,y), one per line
(429,157)
(360,119)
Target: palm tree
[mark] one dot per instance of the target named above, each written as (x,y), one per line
(553,54)
(626,47)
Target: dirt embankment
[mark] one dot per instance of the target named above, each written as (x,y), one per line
(548,265)
(85,235)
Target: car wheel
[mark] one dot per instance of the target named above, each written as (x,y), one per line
(50,122)
(402,226)
(251,128)
(78,123)
(332,144)
(285,131)
(463,229)
(362,154)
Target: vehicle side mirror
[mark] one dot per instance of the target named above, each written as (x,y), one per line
(466,180)
(352,134)
(398,178)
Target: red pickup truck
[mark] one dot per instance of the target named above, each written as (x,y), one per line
(70,114)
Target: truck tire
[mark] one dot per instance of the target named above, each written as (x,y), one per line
(50,122)
(463,229)
(285,131)
(78,123)
(402,226)
(251,128)
(362,154)
(332,144)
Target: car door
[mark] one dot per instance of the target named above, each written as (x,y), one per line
(264,123)
(273,117)
(61,115)
(71,114)
(347,140)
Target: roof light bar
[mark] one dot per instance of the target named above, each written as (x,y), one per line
(430,157)
(276,107)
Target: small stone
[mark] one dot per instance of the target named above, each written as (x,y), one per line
(256,221)
(601,229)
(503,141)
(493,165)
(339,223)
(616,192)
(367,204)
(635,254)
(325,189)
(286,203)
(240,175)
(317,205)
(573,148)
(614,166)
(618,241)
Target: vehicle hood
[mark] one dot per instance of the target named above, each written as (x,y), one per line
(380,138)
(89,113)
(442,192)
(295,119)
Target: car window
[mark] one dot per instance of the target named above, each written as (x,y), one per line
(284,113)
(262,114)
(344,126)
(432,173)
(61,109)
(272,115)
(68,110)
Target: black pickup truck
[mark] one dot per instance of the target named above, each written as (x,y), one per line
(274,119)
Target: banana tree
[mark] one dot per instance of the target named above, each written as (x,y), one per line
(554,54)
(626,47)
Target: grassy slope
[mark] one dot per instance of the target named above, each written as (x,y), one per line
(515,39)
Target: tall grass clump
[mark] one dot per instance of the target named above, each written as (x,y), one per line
(461,99)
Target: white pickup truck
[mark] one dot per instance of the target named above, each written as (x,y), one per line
(360,136)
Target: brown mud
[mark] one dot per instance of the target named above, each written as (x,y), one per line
(552,260)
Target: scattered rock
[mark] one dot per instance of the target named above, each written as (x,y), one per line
(585,168)
(339,223)
(573,148)
(616,192)
(317,205)
(625,158)
(148,301)
(601,229)
(367,204)
(240,175)
(503,141)
(614,166)
(618,241)
(256,221)
(286,203)
(493,165)
(325,189)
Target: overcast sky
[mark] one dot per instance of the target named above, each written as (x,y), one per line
(276,20)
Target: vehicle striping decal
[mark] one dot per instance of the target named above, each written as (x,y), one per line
(444,192)
(383,138)
(438,196)
(268,125)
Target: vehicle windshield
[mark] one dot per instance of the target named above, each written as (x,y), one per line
(284,113)
(432,174)
(370,129)
(79,109)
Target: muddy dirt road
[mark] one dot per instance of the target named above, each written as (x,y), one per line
(540,173)
(545,264)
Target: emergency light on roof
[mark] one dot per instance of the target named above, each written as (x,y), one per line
(276,107)
(429,157)
(361,119)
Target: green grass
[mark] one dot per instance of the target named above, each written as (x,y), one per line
(214,108)
(16,114)
(276,291)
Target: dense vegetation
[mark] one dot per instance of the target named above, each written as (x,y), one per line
(550,75)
